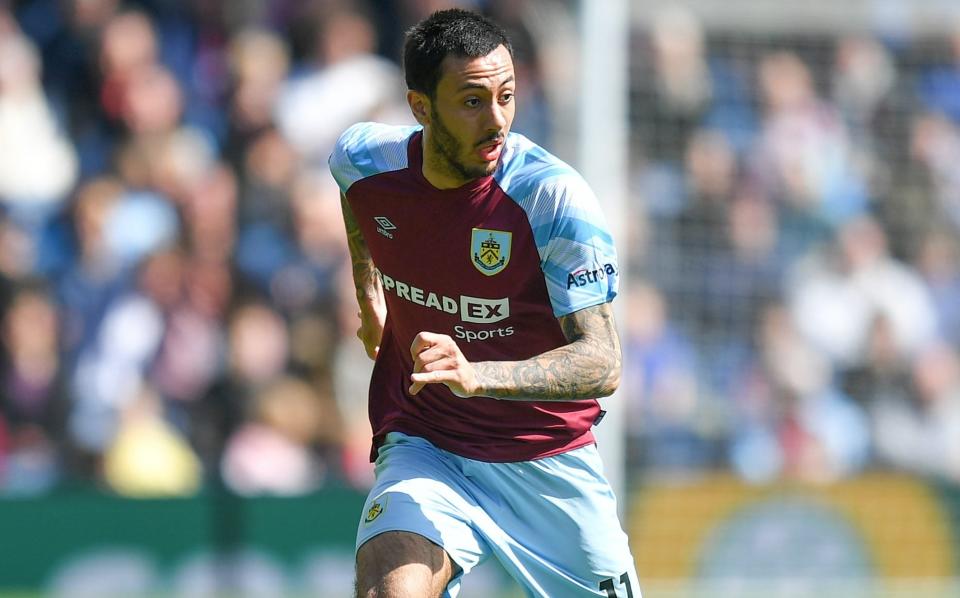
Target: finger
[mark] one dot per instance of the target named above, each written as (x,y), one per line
(446,363)
(372,352)
(428,355)
(425,340)
(420,342)
(423,378)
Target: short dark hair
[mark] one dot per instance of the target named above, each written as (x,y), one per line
(452,32)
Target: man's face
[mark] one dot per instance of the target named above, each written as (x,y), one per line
(469,117)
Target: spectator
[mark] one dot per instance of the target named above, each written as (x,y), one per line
(934,149)
(93,274)
(257,354)
(669,414)
(148,457)
(346,83)
(792,422)
(111,368)
(939,86)
(38,165)
(32,400)
(682,90)
(697,231)
(921,433)
(272,453)
(835,295)
(128,46)
(684,87)
(884,374)
(259,63)
(939,265)
(192,296)
(803,154)
(863,80)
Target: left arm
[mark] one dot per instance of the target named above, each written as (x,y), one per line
(587,367)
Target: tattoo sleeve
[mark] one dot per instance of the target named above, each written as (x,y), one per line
(588,367)
(365,277)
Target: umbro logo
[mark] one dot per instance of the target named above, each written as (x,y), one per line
(384,226)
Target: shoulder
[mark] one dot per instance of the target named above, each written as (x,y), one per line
(528,169)
(577,253)
(552,193)
(369,148)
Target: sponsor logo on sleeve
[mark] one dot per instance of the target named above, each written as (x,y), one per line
(584,277)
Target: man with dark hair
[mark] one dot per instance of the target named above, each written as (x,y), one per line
(484,273)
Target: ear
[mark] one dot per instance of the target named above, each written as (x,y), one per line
(420,106)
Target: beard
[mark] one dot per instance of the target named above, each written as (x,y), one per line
(449,149)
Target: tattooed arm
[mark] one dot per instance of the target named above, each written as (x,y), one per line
(373,308)
(588,367)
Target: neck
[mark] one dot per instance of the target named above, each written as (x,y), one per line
(436,167)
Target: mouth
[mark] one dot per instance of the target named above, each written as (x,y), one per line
(490,151)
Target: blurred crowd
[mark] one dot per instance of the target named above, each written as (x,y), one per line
(174,306)
(175,310)
(795,304)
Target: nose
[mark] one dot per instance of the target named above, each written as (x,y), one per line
(498,117)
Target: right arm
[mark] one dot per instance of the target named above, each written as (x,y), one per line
(369,292)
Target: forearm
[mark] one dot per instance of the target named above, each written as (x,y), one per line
(366,281)
(580,370)
(587,367)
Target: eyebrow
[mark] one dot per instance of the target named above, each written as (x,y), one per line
(469,85)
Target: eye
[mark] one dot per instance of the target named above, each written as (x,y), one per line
(506,98)
(472,102)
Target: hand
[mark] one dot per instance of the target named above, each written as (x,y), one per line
(372,316)
(437,358)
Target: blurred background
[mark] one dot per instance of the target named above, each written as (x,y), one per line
(183,399)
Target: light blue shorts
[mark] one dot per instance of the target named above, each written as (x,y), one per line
(552,523)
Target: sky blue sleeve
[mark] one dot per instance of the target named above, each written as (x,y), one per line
(366,149)
(579,259)
(577,253)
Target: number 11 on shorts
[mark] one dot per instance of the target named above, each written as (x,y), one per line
(607,585)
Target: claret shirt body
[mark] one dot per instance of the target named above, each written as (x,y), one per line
(493,264)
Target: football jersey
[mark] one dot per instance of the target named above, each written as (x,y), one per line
(493,264)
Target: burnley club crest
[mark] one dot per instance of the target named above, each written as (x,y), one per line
(490,250)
